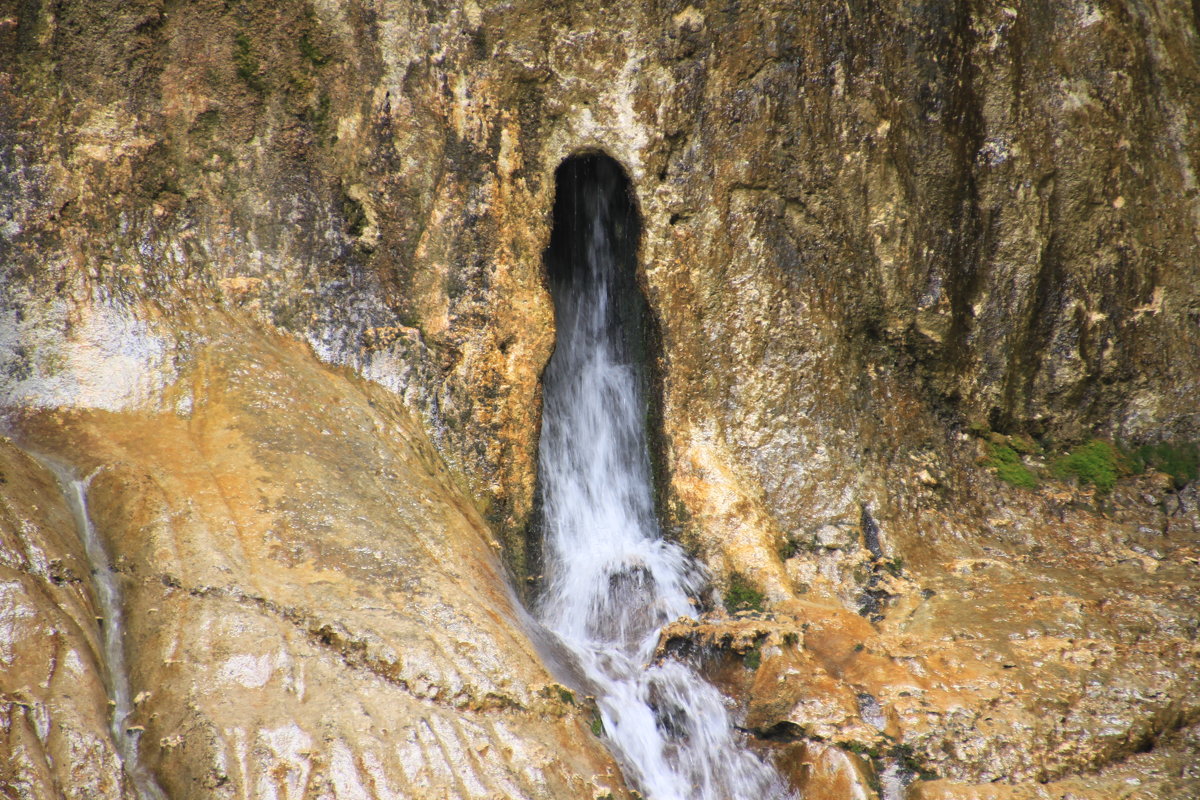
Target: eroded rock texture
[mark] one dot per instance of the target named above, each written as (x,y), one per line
(866,226)
(313,606)
(54,714)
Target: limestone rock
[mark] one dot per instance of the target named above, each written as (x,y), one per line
(315,609)
(54,714)
(867,230)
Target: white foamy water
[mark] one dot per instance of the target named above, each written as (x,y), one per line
(612,581)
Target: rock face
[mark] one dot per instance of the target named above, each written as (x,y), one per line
(54,714)
(313,606)
(867,228)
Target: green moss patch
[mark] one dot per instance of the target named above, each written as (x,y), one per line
(309,49)
(752,659)
(911,763)
(1097,463)
(1009,467)
(1180,460)
(742,596)
(248,67)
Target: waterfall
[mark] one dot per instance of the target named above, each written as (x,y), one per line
(108,600)
(612,581)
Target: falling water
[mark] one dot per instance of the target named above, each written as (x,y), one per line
(612,581)
(108,598)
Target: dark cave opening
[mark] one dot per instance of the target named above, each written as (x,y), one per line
(594,201)
(594,206)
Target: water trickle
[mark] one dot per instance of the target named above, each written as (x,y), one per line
(612,581)
(108,598)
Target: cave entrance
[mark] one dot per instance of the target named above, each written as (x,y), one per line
(591,267)
(595,216)
(611,579)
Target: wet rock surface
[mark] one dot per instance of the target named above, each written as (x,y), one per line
(313,606)
(54,711)
(869,233)
(859,224)
(1058,658)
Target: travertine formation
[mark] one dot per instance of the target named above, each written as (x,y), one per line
(275,271)
(54,711)
(313,606)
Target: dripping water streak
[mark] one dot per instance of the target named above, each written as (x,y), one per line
(612,581)
(108,597)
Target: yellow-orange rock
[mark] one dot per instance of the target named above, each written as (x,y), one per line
(314,606)
(55,739)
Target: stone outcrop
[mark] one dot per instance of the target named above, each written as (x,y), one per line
(54,712)
(314,608)
(1068,662)
(867,229)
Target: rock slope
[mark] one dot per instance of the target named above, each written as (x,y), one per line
(313,605)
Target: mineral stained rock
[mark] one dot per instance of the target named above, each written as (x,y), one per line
(54,713)
(313,605)
(274,270)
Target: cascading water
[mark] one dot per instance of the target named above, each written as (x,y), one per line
(108,598)
(612,581)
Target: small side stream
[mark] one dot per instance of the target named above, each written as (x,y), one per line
(108,596)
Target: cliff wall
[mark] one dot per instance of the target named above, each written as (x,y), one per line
(874,235)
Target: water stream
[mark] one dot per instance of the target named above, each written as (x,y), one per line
(108,598)
(612,581)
